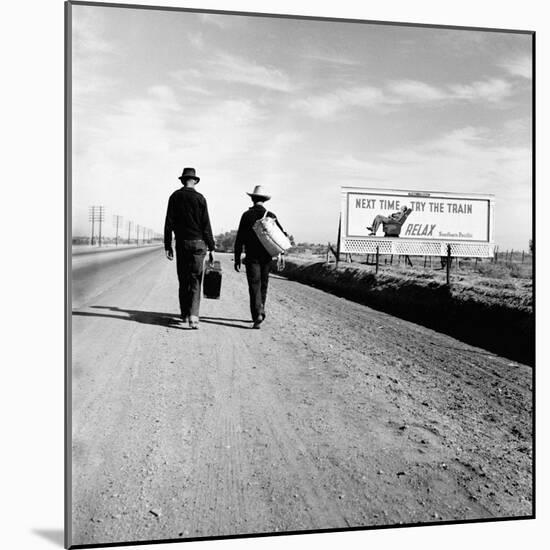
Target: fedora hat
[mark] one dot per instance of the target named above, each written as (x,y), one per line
(189,173)
(259,193)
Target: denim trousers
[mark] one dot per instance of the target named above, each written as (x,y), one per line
(189,263)
(257,275)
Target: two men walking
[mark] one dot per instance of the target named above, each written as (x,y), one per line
(187,217)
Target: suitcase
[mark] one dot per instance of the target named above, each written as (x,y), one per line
(212,282)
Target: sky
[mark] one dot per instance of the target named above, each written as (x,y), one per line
(302,107)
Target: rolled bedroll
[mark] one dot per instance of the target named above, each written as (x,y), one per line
(271,236)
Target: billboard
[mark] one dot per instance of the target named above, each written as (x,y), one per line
(417,216)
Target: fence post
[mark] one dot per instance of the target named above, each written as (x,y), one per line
(522,255)
(448,264)
(377,257)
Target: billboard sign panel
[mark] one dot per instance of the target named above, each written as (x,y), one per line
(417,215)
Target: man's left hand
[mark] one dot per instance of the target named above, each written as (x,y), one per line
(211,257)
(170,254)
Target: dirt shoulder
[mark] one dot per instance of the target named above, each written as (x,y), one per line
(491,313)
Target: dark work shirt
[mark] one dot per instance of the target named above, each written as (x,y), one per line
(187,217)
(247,237)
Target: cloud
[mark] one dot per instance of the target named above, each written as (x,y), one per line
(87,39)
(165,96)
(493,90)
(196,39)
(221,21)
(521,66)
(402,92)
(231,68)
(332,59)
(409,91)
(332,103)
(226,68)
(92,53)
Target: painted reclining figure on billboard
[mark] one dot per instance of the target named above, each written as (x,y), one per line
(391,225)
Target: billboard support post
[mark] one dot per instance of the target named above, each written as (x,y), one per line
(377,257)
(339,238)
(448,264)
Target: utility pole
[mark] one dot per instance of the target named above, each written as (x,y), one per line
(91,217)
(96,214)
(117,220)
(101,220)
(130,224)
(137,229)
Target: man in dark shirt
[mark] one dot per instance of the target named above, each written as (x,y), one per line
(187,217)
(257,260)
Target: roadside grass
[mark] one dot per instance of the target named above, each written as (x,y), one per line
(502,282)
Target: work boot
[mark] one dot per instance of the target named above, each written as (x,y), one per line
(258,322)
(194,322)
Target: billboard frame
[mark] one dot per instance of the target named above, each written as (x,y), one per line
(363,244)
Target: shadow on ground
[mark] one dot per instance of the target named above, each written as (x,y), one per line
(169,320)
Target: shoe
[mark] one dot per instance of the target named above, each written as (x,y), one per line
(258,321)
(263,316)
(185,319)
(194,322)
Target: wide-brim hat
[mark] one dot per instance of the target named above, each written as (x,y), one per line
(259,193)
(189,173)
